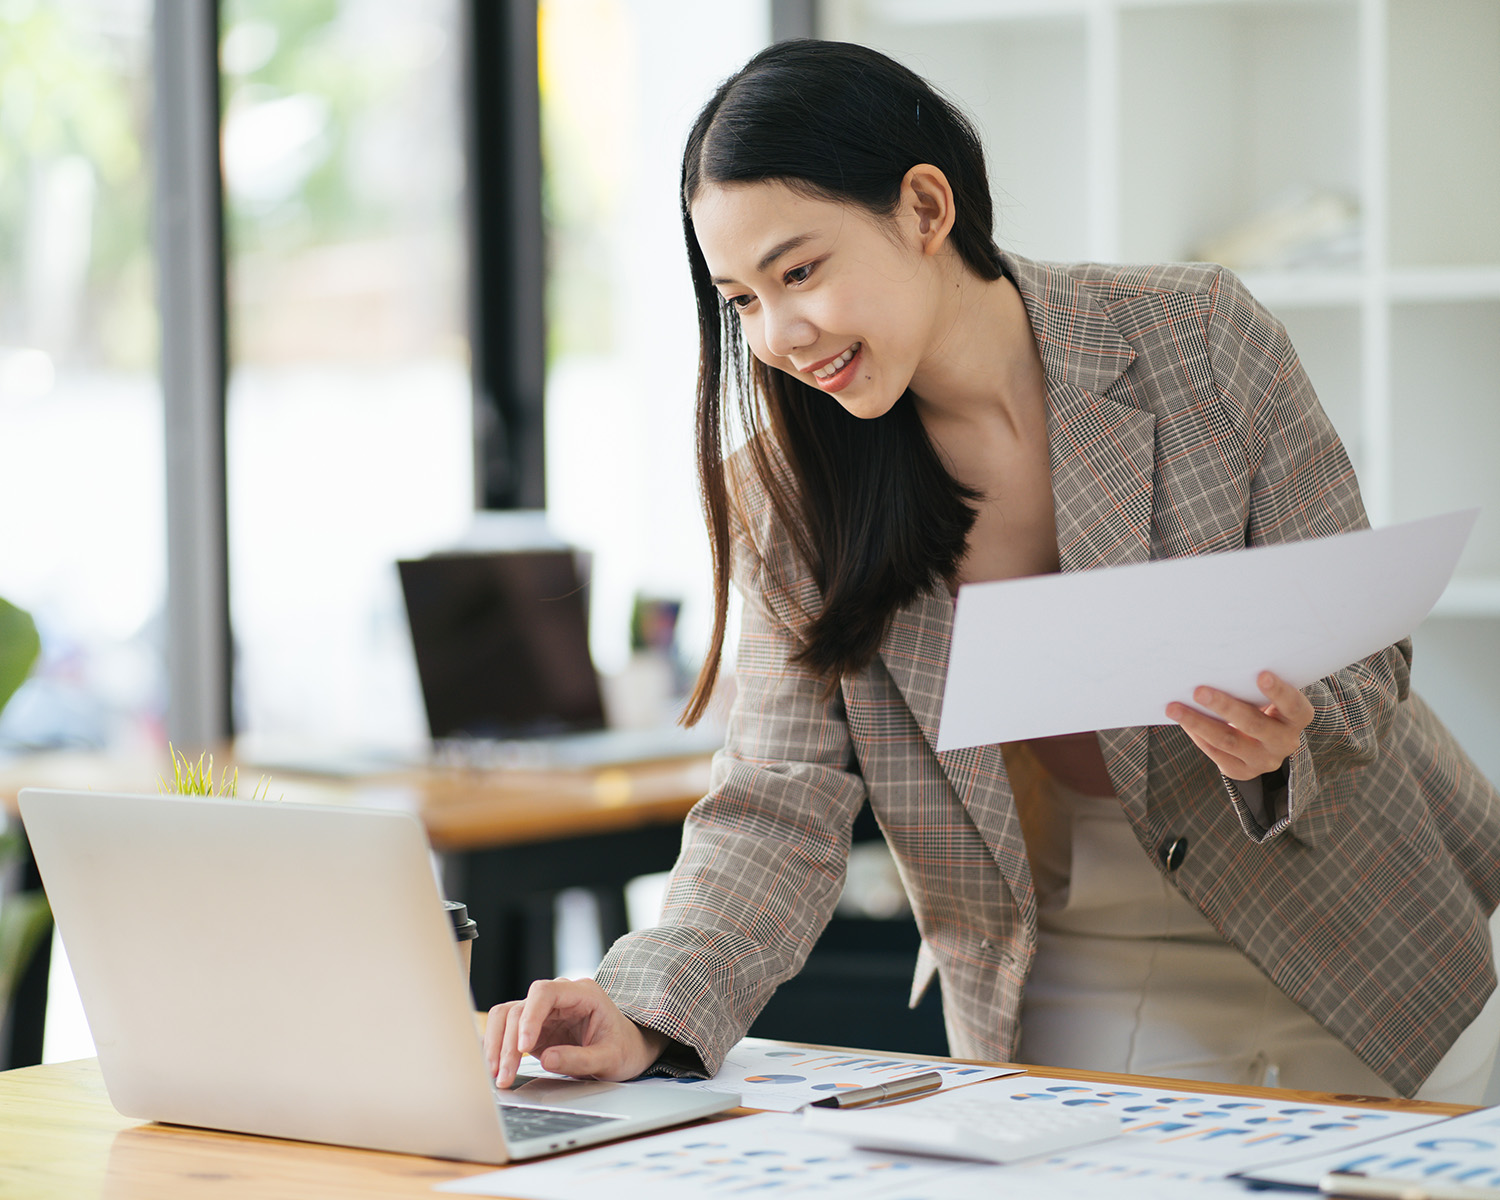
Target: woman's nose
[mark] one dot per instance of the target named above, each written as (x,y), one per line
(787,330)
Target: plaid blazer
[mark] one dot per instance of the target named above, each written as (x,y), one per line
(1180,423)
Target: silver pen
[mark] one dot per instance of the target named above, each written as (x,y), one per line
(1373,1187)
(881,1093)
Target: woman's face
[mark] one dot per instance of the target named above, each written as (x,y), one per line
(824,291)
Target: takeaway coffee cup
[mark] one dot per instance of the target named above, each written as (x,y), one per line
(464,931)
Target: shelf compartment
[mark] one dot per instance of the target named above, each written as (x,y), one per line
(1024,83)
(1455,663)
(1227,111)
(1445,283)
(1445,417)
(1305,289)
(1444,151)
(1470,596)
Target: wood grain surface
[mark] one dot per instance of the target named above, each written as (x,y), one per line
(60,1139)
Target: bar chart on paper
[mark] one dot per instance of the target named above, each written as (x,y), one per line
(1232,1133)
(1464,1150)
(764,1154)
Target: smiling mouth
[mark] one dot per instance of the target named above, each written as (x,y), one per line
(830,369)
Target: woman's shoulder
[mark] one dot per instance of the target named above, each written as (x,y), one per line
(1143,278)
(762,498)
(1153,304)
(751,472)
(1111,283)
(766,561)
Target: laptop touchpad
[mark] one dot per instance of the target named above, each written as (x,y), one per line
(554,1092)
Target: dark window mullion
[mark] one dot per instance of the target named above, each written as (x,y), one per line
(507,264)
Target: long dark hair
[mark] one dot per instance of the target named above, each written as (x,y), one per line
(868,504)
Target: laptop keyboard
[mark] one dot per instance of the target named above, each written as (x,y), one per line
(524,1121)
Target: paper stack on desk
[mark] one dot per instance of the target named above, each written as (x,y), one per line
(1175,1144)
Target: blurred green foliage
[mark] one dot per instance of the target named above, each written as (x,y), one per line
(19,647)
(72,86)
(24,917)
(75,83)
(311,55)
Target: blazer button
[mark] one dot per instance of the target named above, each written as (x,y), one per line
(1173,852)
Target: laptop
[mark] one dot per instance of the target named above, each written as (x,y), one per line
(501,641)
(288,970)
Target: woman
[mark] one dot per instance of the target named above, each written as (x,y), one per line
(1294,892)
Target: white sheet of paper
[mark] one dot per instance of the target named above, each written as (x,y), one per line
(1102,649)
(1462,1150)
(781,1078)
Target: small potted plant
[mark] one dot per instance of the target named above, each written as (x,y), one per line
(25,918)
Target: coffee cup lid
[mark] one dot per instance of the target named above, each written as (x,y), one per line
(464,929)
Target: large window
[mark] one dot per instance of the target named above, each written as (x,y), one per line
(349,420)
(621,83)
(82,542)
(82,519)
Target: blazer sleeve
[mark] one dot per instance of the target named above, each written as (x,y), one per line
(1302,485)
(763,854)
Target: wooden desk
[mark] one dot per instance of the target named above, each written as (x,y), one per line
(461,809)
(59,1137)
(511,840)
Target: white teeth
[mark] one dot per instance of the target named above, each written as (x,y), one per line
(837,364)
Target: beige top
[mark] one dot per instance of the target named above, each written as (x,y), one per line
(1086,864)
(1036,768)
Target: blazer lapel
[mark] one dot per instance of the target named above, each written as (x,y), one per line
(1103,449)
(1103,459)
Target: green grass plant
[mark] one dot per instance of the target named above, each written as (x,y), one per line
(191,778)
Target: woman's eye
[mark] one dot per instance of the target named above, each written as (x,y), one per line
(739,303)
(798,274)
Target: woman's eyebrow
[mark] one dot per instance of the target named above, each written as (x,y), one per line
(772,255)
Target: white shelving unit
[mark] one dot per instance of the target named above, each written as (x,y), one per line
(1141,130)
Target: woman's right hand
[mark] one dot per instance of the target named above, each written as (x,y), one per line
(573,1028)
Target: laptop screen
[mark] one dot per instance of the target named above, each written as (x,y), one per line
(502,643)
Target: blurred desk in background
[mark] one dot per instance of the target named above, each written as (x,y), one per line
(510,840)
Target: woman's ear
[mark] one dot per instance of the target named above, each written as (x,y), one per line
(927,204)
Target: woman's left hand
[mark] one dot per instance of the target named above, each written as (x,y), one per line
(1246,741)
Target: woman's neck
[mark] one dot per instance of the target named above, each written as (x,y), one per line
(983,365)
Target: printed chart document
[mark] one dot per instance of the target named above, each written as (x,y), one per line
(1102,649)
(1462,1150)
(1173,1145)
(745,1155)
(1223,1133)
